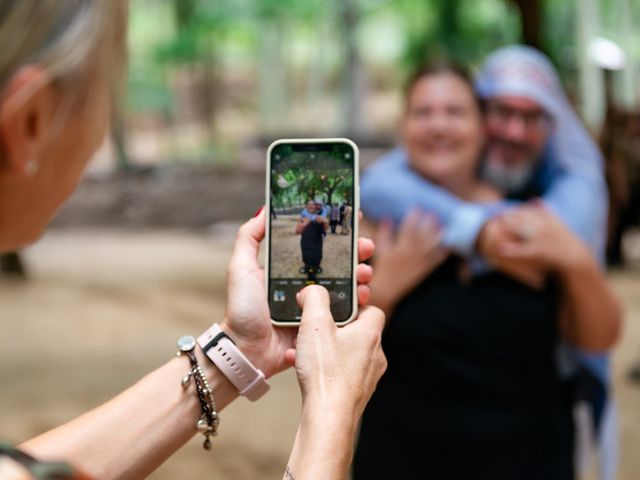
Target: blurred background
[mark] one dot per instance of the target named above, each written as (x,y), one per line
(138,256)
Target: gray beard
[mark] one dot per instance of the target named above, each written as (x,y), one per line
(509,180)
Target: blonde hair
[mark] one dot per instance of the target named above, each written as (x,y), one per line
(72,40)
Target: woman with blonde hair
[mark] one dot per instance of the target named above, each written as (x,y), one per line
(61,65)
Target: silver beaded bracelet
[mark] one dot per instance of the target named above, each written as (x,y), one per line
(208,422)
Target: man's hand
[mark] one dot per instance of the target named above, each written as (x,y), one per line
(493,236)
(538,237)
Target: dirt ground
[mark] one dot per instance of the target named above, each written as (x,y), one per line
(103,307)
(287,258)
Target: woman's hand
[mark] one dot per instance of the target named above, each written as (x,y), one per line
(248,319)
(404,259)
(337,369)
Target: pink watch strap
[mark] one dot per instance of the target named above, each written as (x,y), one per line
(249,381)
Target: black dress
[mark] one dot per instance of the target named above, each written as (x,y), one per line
(471,390)
(311,240)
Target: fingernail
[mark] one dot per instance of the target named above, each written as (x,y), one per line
(259,211)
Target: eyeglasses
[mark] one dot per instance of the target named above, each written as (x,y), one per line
(531,119)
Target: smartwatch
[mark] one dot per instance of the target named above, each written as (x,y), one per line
(222,351)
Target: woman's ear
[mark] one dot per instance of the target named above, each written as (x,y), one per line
(27,109)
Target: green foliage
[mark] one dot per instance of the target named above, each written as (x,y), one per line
(459,30)
(298,178)
(148,92)
(198,24)
(558,36)
(292,53)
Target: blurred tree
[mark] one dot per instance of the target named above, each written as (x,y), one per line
(530,22)
(184,12)
(151,27)
(303,177)
(199,28)
(455,29)
(558,38)
(312,64)
(304,183)
(118,136)
(272,16)
(354,73)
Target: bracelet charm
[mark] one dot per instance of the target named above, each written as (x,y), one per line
(208,422)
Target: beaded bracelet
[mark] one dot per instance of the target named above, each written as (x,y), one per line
(208,422)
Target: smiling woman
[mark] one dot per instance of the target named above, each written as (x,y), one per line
(443,129)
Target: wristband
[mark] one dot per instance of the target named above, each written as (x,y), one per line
(221,350)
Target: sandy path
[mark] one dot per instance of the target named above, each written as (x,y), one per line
(95,296)
(101,310)
(287,258)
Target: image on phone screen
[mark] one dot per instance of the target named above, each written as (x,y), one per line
(311,234)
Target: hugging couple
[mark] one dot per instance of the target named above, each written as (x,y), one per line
(490,222)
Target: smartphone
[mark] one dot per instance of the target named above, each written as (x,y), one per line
(312,228)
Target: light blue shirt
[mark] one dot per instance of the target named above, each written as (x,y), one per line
(390,189)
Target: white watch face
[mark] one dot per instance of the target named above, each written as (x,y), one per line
(186,343)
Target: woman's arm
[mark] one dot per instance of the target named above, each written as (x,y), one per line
(134,433)
(591,315)
(301,225)
(131,435)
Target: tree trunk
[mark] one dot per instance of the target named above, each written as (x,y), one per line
(272,78)
(627,97)
(317,67)
(530,21)
(590,77)
(209,90)
(183,12)
(118,138)
(354,81)
(11,264)
(450,29)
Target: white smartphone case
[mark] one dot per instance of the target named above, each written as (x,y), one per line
(356,210)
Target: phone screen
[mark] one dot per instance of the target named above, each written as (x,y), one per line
(311,227)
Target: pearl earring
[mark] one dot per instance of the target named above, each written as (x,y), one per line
(32,166)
